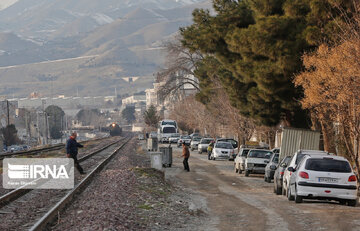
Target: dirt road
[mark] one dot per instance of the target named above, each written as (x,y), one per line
(235,202)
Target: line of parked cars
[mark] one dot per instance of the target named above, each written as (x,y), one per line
(308,174)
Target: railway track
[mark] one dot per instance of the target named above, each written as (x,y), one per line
(16,193)
(57,198)
(44,149)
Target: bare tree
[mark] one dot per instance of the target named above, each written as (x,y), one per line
(179,69)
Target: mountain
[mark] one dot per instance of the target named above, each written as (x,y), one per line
(87,45)
(39,18)
(6,3)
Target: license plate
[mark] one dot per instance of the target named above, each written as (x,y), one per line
(328,180)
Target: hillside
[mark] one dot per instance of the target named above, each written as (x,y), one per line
(121,40)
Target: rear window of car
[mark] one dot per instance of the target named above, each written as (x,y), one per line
(328,165)
(223,145)
(196,139)
(260,154)
(185,137)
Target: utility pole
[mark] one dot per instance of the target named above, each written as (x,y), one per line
(8,112)
(38,127)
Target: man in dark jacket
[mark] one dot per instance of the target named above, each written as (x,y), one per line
(72,150)
(186,155)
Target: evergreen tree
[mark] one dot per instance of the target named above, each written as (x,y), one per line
(129,114)
(56,120)
(151,116)
(254,48)
(9,134)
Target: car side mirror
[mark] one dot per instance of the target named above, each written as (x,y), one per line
(291,169)
(283,165)
(273,167)
(266,161)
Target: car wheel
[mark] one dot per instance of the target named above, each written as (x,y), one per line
(289,196)
(199,152)
(246,173)
(240,171)
(236,170)
(213,158)
(352,203)
(265,178)
(278,190)
(268,179)
(298,199)
(342,202)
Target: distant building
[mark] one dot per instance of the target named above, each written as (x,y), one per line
(8,108)
(134,100)
(64,102)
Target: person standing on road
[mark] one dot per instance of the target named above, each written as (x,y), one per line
(210,148)
(186,155)
(72,150)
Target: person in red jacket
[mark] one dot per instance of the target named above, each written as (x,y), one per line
(186,155)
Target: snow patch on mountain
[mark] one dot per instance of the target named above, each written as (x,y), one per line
(102,19)
(6,3)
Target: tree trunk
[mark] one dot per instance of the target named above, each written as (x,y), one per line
(328,136)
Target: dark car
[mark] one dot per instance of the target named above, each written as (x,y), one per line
(271,167)
(279,174)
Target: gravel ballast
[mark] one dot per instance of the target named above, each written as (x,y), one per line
(128,195)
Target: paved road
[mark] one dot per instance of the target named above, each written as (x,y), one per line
(235,202)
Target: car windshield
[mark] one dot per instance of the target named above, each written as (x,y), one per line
(234,143)
(328,165)
(299,158)
(196,139)
(245,152)
(223,145)
(175,135)
(286,160)
(168,123)
(169,130)
(206,141)
(275,158)
(185,137)
(260,154)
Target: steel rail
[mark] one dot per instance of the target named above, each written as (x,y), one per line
(16,193)
(42,223)
(44,149)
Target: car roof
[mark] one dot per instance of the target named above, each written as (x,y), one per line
(260,150)
(312,152)
(222,142)
(327,157)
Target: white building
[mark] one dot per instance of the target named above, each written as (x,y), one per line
(134,99)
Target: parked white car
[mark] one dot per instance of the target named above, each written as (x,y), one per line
(239,162)
(297,157)
(174,138)
(256,161)
(194,143)
(204,144)
(323,177)
(222,150)
(184,139)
